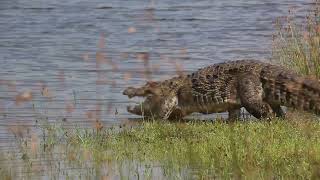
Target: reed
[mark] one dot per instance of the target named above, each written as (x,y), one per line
(296,43)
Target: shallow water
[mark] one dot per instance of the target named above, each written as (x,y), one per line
(86,52)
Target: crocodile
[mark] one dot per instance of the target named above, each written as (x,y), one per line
(260,87)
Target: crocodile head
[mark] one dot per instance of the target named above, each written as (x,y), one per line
(147,108)
(150,92)
(160,99)
(151,88)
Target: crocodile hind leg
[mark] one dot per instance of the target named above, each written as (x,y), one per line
(251,96)
(278,110)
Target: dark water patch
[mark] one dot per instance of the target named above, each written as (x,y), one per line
(104,7)
(40,8)
(29,8)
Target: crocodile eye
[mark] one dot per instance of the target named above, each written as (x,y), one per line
(152,84)
(148,91)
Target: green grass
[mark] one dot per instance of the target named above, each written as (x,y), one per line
(251,149)
(255,149)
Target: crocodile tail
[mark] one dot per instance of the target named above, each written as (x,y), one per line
(291,90)
(309,95)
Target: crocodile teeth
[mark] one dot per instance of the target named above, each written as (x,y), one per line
(135,102)
(130,108)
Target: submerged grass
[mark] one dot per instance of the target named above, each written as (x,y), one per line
(255,149)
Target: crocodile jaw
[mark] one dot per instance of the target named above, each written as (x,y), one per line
(144,108)
(132,92)
(136,109)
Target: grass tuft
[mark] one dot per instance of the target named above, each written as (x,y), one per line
(296,45)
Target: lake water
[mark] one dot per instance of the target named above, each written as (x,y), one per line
(77,56)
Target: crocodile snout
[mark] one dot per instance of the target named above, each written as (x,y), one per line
(130,92)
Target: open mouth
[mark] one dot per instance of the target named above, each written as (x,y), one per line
(141,101)
(136,105)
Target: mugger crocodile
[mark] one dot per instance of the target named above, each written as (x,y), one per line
(261,88)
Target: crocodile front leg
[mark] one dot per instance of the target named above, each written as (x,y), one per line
(167,106)
(278,110)
(251,96)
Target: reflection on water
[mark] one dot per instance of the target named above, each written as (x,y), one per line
(69,61)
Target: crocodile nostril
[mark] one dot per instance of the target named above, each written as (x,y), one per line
(128,91)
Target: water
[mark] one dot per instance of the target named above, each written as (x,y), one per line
(54,45)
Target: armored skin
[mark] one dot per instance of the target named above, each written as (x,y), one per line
(261,88)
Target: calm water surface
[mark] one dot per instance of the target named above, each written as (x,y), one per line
(58,45)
